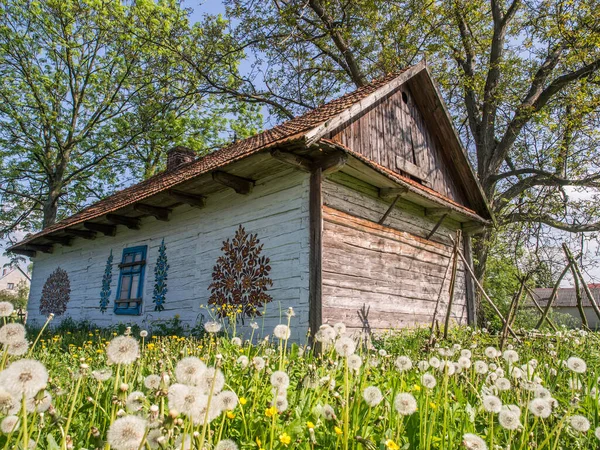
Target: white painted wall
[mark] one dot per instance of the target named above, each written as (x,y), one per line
(277,210)
(12,277)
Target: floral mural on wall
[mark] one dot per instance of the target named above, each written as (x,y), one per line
(160,278)
(241,276)
(56,293)
(106,280)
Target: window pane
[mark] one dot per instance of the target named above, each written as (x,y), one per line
(125,284)
(138,256)
(128,258)
(134,286)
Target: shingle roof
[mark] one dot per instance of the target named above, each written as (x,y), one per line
(565,297)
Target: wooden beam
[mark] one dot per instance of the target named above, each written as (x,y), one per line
(238,184)
(107,230)
(195,200)
(472,227)
(158,212)
(331,163)
(130,222)
(22,251)
(437,225)
(470,288)
(62,240)
(389,210)
(315,309)
(435,212)
(297,161)
(85,234)
(392,192)
(39,248)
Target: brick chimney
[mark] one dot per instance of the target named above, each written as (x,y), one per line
(179,156)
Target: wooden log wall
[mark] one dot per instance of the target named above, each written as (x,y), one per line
(394,134)
(277,211)
(390,268)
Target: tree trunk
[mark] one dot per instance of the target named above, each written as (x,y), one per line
(50,207)
(480,256)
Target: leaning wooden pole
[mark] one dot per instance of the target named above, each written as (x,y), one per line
(552,296)
(489,300)
(579,297)
(512,313)
(452,285)
(586,288)
(539,308)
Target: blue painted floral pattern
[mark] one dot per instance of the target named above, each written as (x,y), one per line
(160,278)
(106,280)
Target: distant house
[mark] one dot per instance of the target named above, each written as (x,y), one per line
(11,280)
(345,213)
(566,303)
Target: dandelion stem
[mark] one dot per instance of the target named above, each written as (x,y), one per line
(71,409)
(50,317)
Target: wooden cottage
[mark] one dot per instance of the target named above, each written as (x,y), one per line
(346,213)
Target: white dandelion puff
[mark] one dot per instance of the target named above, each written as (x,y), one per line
(126,433)
(464,362)
(236,341)
(258,363)
(510,356)
(211,379)
(576,365)
(328,412)
(540,407)
(466,353)
(212,327)
(143,333)
(280,403)
(339,328)
(9,424)
(579,423)
(405,404)
(428,381)
(597,433)
(492,404)
(24,377)
(282,332)
(480,367)
(6,309)
(423,366)
(280,380)
(354,362)
(434,362)
(372,396)
(123,350)
(503,384)
(473,442)
(491,352)
(508,419)
(155,439)
(7,401)
(243,361)
(102,374)
(403,363)
(135,401)
(227,400)
(345,346)
(152,382)
(189,371)
(226,444)
(39,403)
(11,333)
(18,348)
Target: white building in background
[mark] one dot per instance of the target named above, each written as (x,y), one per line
(12,279)
(566,303)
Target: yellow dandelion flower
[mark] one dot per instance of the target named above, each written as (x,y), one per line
(310,425)
(230,415)
(270,412)
(285,438)
(432,405)
(338,430)
(416,387)
(391,445)
(243,401)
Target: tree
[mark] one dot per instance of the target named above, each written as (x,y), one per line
(520,78)
(84,104)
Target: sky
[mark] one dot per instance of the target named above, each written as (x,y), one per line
(216,7)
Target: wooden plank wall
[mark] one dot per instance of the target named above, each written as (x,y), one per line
(392,128)
(392,268)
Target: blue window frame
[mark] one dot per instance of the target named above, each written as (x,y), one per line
(131,281)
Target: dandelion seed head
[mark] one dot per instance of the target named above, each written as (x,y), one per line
(464,362)
(492,404)
(405,404)
(372,396)
(226,444)
(6,309)
(491,352)
(428,381)
(12,333)
(258,363)
(354,362)
(503,384)
(282,332)
(152,382)
(508,419)
(540,407)
(126,433)
(143,333)
(212,327)
(123,350)
(423,365)
(18,348)
(102,374)
(597,433)
(345,346)
(24,377)
(211,379)
(326,334)
(510,356)
(280,403)
(243,361)
(434,362)
(280,380)
(7,401)
(473,442)
(328,412)
(579,423)
(155,439)
(227,400)
(466,353)
(236,341)
(9,424)
(480,367)
(339,328)
(135,401)
(189,371)
(576,365)
(403,363)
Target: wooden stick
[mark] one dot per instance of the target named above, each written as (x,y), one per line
(539,308)
(579,298)
(512,313)
(437,303)
(552,296)
(489,300)
(389,210)
(452,285)
(585,286)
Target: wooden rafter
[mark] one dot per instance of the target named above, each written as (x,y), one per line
(436,212)
(85,234)
(130,222)
(238,184)
(332,163)
(44,248)
(198,201)
(158,212)
(297,161)
(22,251)
(107,230)
(392,192)
(62,240)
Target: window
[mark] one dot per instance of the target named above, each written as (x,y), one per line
(131,281)
(10,286)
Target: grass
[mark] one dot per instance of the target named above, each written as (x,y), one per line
(322,405)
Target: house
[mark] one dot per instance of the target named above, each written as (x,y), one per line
(346,213)
(566,303)
(12,279)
